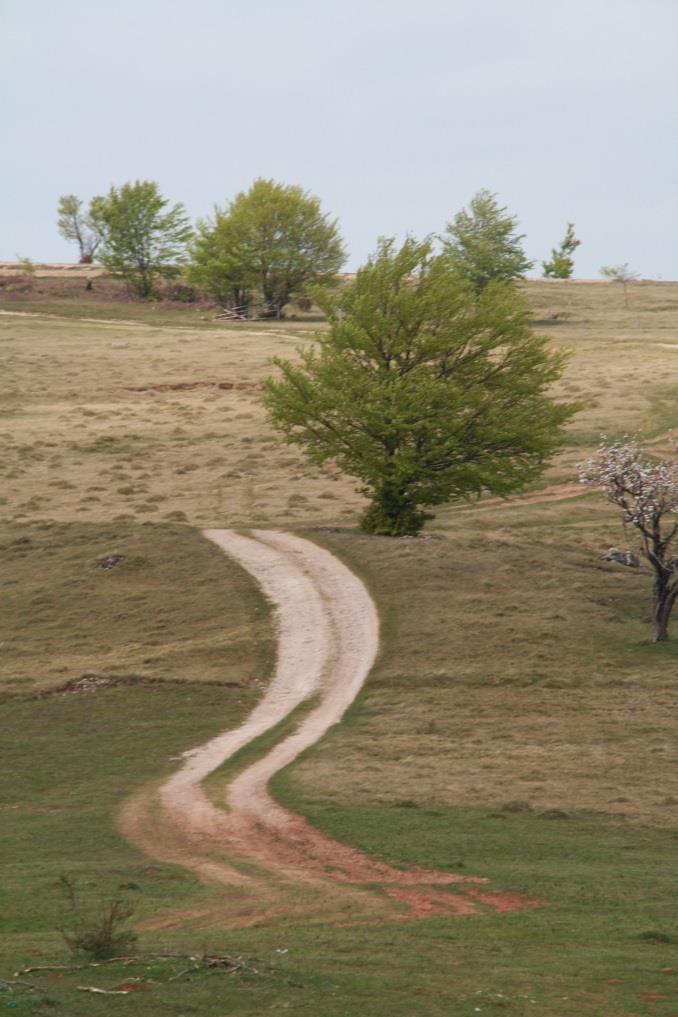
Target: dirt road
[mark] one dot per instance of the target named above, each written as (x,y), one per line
(328,637)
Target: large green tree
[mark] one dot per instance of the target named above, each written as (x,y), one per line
(483,244)
(273,239)
(143,237)
(422,389)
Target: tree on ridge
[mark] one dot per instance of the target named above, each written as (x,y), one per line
(77,227)
(561,264)
(142,239)
(483,244)
(273,239)
(620,274)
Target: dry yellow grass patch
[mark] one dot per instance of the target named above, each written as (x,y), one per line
(78,444)
(515,669)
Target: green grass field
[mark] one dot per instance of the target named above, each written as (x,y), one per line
(607,885)
(518,724)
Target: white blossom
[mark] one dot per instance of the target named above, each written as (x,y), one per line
(646,491)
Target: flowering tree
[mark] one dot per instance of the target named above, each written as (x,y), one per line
(647,494)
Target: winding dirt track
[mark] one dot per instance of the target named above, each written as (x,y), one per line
(328,633)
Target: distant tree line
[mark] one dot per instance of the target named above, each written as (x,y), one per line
(267,245)
(271,243)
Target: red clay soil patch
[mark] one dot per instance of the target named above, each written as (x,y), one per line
(188,386)
(289,843)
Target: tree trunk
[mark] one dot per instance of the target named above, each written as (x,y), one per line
(392,514)
(660,619)
(144,285)
(662,605)
(660,625)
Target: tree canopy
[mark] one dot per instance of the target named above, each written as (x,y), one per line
(273,239)
(421,389)
(216,264)
(483,244)
(142,238)
(561,264)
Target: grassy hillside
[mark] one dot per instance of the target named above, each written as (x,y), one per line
(515,671)
(518,723)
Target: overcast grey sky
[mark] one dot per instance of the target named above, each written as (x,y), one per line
(394,113)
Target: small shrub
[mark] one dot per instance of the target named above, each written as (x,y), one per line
(97,932)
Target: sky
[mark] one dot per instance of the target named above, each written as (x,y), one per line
(393,113)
